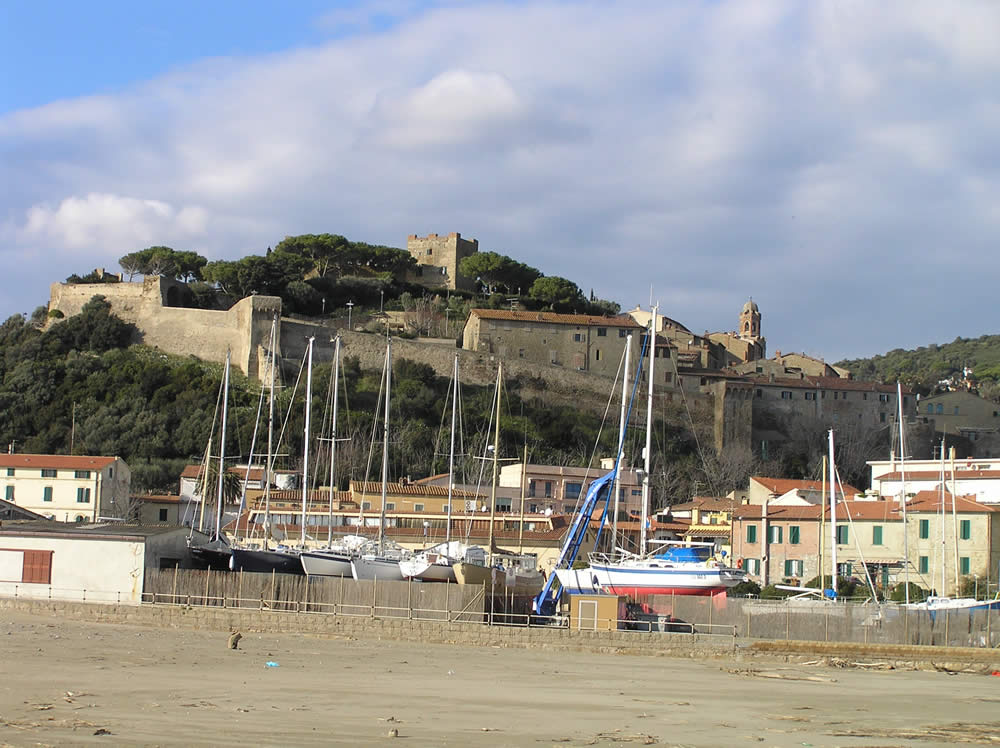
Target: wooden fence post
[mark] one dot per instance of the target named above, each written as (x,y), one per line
(173,594)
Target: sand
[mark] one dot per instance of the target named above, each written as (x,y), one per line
(68,683)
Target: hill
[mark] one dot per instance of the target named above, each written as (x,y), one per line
(925,367)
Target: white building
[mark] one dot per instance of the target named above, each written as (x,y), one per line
(968,477)
(102,563)
(66,488)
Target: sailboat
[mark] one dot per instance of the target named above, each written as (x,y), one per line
(216,554)
(677,569)
(283,560)
(437,563)
(335,559)
(381,562)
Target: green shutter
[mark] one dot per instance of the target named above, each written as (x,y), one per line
(877,535)
(751,533)
(963,564)
(924,563)
(794,535)
(925,529)
(966,531)
(789,569)
(842,536)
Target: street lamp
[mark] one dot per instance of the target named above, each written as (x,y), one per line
(350,306)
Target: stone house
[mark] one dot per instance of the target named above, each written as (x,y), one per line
(962,413)
(579,341)
(67,488)
(555,489)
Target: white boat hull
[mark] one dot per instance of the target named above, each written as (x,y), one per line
(642,580)
(326,564)
(374,567)
(427,571)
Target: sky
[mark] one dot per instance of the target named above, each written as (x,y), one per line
(835,160)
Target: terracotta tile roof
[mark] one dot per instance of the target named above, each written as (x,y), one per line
(156,499)
(883,511)
(964,474)
(708,532)
(370,488)
(553,318)
(782,486)
(255,473)
(930,501)
(705,503)
(55,462)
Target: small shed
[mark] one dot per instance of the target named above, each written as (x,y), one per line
(100,563)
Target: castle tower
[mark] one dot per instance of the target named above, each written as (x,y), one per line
(438,258)
(750,321)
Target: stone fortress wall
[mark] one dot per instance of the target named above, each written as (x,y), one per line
(438,258)
(245,329)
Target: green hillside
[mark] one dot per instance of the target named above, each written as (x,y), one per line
(924,367)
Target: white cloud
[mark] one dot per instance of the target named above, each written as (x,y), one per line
(803,153)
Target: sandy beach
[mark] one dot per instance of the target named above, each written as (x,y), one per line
(69,683)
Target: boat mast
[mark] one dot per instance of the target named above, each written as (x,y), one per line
(833,516)
(942,519)
(451,457)
(385,442)
(496,449)
(621,442)
(305,447)
(222,445)
(649,435)
(822,524)
(954,516)
(333,437)
(270,436)
(902,475)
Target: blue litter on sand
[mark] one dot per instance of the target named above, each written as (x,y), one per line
(271,663)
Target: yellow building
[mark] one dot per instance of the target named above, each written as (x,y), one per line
(67,488)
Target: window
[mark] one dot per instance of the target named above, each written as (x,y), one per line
(533,508)
(881,417)
(845,569)
(836,395)
(877,535)
(842,535)
(668,376)
(83,496)
(751,533)
(930,409)
(9,493)
(956,410)
(810,395)
(774,534)
(884,398)
(925,529)
(418,507)
(597,354)
(36,567)
(577,337)
(843,395)
(390,506)
(759,393)
(520,353)
(622,333)
(602,332)
(965,531)
(786,395)
(531,488)
(752,566)
(794,535)
(964,565)
(573,490)
(548,489)
(49,473)
(10,471)
(924,565)
(163,515)
(81,474)
(939,409)
(47,493)
(366,505)
(793,568)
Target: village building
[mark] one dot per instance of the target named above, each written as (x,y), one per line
(785,365)
(979,478)
(709,520)
(746,343)
(555,489)
(67,488)
(962,413)
(582,342)
(103,562)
